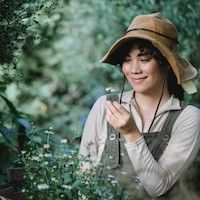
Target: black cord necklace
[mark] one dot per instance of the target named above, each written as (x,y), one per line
(154,117)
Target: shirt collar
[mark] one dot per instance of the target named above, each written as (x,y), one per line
(172,104)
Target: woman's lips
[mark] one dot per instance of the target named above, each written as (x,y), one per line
(138,79)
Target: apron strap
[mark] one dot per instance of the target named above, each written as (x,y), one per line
(160,142)
(113,144)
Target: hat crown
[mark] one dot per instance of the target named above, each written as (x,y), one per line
(156,23)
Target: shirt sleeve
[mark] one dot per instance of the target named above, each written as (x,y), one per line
(158,177)
(92,128)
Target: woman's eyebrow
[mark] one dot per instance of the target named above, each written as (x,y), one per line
(143,53)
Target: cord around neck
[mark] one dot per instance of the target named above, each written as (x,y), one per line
(154,117)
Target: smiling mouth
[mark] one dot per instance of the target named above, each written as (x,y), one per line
(138,80)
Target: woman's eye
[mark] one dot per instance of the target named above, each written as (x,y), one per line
(145,58)
(127,60)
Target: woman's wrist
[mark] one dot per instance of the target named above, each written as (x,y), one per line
(133,136)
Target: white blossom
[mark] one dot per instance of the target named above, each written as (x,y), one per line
(47,155)
(23,190)
(110,89)
(67,187)
(46,146)
(40,155)
(114,182)
(54,179)
(45,163)
(43,186)
(36,158)
(63,141)
(49,132)
(23,152)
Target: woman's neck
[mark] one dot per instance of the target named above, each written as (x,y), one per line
(147,103)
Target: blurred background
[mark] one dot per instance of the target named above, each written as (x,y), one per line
(50,53)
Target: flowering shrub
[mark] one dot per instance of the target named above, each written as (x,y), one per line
(54,170)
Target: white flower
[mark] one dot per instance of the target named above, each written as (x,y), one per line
(46,146)
(110,89)
(23,152)
(67,187)
(49,132)
(43,186)
(110,176)
(54,179)
(114,182)
(36,158)
(87,182)
(45,163)
(63,141)
(47,155)
(23,190)
(40,155)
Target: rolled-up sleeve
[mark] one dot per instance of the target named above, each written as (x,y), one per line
(158,177)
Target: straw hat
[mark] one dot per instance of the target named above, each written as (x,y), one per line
(164,36)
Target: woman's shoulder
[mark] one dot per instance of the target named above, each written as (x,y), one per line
(191,114)
(192,111)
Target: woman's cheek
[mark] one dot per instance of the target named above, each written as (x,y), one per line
(125,70)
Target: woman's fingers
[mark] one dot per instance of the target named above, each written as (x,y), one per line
(111,117)
(120,119)
(117,115)
(116,109)
(112,108)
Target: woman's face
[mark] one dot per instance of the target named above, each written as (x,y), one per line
(142,71)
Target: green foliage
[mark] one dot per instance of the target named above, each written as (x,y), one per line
(53,170)
(18,19)
(12,123)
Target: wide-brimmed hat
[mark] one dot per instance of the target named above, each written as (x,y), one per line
(164,36)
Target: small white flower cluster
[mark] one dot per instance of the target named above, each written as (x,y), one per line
(110,89)
(54,180)
(112,179)
(82,196)
(67,187)
(43,186)
(35,158)
(46,146)
(63,141)
(50,131)
(23,152)
(58,165)
(47,155)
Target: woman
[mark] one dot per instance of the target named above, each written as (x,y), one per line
(147,139)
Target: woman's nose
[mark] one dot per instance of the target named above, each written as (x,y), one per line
(135,67)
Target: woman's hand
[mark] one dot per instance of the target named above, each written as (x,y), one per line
(118,117)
